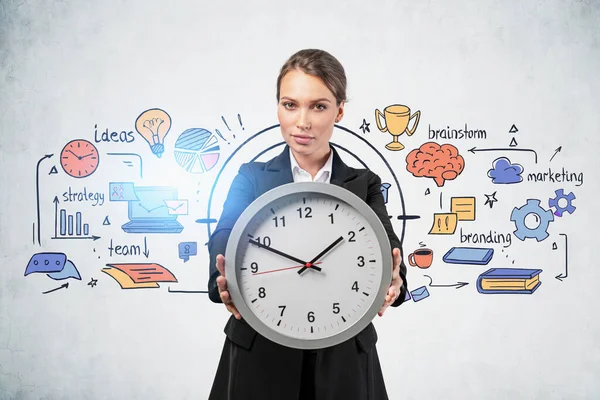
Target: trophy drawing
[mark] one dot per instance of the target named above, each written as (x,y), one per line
(396,118)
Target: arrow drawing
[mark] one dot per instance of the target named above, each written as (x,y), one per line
(560,277)
(63,286)
(37,193)
(146,251)
(457,285)
(474,149)
(558,149)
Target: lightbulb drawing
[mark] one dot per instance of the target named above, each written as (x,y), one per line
(153,125)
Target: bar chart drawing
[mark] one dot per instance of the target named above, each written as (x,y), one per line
(70,226)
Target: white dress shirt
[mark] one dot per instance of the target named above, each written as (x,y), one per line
(300,175)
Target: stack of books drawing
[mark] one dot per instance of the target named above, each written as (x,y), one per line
(137,276)
(509,280)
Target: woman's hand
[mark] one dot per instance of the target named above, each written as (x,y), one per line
(394,290)
(222,286)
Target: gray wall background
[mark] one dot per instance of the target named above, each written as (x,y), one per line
(68,66)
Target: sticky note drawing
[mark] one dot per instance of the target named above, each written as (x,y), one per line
(430,160)
(504,172)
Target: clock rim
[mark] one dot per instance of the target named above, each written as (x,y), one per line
(80,140)
(263,202)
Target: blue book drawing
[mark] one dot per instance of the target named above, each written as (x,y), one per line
(509,280)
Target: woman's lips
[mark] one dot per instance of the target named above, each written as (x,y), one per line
(301,139)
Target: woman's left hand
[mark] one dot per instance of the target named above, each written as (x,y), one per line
(394,290)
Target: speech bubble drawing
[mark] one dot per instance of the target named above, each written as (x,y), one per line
(187,249)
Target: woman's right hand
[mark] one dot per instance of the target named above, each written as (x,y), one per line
(222,286)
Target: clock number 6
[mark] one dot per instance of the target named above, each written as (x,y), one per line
(311,316)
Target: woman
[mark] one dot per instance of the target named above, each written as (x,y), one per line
(311,93)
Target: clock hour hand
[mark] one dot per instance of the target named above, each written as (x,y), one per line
(321,254)
(281,253)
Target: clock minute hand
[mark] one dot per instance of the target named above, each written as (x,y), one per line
(281,253)
(79,158)
(321,254)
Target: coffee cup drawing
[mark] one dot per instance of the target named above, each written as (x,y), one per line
(421,258)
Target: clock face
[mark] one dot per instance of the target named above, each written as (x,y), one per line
(312,265)
(79,158)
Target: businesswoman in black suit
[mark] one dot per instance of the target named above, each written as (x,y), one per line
(311,93)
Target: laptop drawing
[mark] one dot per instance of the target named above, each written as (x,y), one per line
(150,214)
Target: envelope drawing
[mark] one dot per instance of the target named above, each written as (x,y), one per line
(177,207)
(420,293)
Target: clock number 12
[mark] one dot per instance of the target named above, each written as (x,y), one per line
(306,214)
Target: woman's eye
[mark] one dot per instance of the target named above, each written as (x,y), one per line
(320,106)
(288,105)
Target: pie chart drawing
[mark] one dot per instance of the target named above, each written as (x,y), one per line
(197,150)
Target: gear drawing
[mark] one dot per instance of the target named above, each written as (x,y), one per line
(544,217)
(560,194)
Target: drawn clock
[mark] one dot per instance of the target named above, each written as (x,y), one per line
(79,158)
(310,265)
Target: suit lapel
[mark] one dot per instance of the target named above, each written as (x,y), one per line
(277,172)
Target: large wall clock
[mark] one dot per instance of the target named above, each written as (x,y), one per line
(308,265)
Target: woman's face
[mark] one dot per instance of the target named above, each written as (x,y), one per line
(307,111)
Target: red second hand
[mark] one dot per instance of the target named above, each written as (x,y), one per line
(283,269)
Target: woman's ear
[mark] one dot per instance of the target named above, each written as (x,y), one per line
(340,113)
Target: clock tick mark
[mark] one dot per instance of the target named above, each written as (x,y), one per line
(312,330)
(361,229)
(336,206)
(254,300)
(365,293)
(279,323)
(273,211)
(343,319)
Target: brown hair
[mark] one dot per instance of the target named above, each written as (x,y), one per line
(321,64)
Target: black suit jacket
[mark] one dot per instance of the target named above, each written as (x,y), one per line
(252,366)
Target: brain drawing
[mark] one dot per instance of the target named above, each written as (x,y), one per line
(442,163)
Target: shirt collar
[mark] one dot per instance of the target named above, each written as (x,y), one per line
(326,168)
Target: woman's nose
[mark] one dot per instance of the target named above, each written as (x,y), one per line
(303,122)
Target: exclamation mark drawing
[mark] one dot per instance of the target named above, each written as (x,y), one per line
(225,122)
